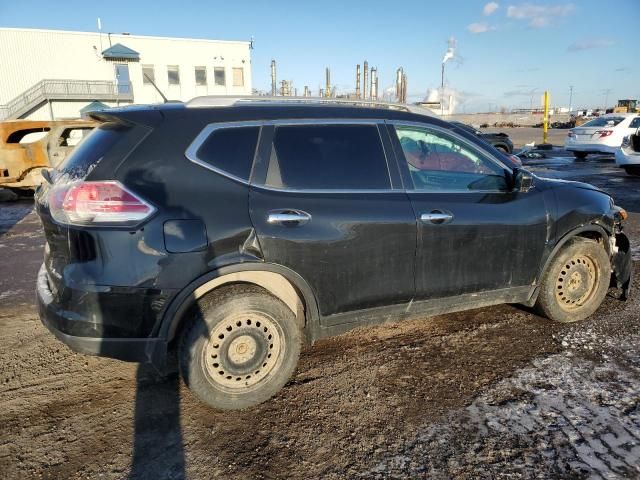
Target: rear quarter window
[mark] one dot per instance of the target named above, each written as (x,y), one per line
(230,150)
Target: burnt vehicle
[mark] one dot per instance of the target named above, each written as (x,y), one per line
(500,141)
(232,231)
(28,146)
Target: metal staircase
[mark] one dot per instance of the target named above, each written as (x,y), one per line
(47,90)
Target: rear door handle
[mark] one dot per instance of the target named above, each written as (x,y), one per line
(436,217)
(288,217)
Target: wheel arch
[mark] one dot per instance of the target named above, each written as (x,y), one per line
(280,281)
(592,231)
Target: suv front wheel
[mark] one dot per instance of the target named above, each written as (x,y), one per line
(576,281)
(240,347)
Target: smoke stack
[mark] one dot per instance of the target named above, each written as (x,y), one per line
(273,78)
(404,88)
(327,90)
(399,84)
(374,83)
(365,82)
(358,81)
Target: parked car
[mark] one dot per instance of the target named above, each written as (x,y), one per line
(28,146)
(601,135)
(233,232)
(501,141)
(628,155)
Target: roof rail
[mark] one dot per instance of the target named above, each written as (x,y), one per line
(230,100)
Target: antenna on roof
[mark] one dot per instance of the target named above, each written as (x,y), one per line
(155,86)
(100,33)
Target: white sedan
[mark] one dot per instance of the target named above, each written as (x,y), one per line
(601,135)
(628,155)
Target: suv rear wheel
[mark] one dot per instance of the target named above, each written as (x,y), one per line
(240,347)
(580,155)
(576,281)
(632,170)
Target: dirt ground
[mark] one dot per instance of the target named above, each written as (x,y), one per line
(490,393)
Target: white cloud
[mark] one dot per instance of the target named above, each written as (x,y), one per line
(489,8)
(539,16)
(590,44)
(480,27)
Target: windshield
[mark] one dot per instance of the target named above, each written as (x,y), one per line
(603,122)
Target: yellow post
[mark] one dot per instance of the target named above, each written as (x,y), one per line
(545,121)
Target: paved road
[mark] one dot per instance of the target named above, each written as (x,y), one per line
(491,393)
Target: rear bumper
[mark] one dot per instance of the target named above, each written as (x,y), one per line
(590,147)
(58,321)
(627,158)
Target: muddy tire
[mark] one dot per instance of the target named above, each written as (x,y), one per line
(580,155)
(240,347)
(576,281)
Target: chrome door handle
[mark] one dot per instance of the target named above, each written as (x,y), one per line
(288,217)
(436,217)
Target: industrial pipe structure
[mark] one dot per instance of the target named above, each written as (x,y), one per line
(327,91)
(273,78)
(374,83)
(365,82)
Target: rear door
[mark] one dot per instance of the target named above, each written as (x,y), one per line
(474,234)
(325,205)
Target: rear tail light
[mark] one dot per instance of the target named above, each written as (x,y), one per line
(604,133)
(97,203)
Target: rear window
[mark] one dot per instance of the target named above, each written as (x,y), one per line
(91,150)
(603,122)
(230,150)
(323,157)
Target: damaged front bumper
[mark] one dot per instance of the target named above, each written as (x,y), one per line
(621,264)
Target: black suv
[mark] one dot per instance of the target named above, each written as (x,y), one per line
(234,231)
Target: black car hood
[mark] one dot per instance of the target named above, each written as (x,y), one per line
(559,183)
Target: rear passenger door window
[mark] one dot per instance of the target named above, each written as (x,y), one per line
(228,150)
(327,157)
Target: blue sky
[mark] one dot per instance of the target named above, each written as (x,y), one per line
(507,52)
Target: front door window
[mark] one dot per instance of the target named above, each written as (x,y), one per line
(439,162)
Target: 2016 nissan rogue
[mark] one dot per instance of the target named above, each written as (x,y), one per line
(235,231)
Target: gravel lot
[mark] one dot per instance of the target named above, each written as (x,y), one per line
(491,393)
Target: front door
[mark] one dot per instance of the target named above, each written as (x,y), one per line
(324,206)
(122,78)
(474,233)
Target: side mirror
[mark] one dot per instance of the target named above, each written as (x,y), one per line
(520,180)
(524,181)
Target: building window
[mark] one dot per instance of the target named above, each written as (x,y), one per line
(218,76)
(238,77)
(148,74)
(173,72)
(201,76)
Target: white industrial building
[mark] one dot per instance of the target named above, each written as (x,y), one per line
(54,74)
